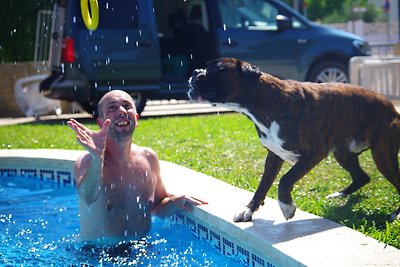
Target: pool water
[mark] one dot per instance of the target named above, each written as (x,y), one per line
(39,224)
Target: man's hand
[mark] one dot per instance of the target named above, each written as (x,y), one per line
(93,141)
(186,202)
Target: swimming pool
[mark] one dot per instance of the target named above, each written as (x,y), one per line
(40,227)
(269,240)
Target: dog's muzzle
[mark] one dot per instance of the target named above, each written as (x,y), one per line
(193,92)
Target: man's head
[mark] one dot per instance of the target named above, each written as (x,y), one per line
(119,107)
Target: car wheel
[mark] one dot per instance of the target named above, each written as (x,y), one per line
(140,101)
(330,71)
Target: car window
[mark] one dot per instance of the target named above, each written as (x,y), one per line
(119,14)
(251,14)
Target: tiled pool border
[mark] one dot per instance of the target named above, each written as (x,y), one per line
(228,238)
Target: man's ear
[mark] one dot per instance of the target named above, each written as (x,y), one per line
(137,119)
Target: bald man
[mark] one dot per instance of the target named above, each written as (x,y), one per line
(119,183)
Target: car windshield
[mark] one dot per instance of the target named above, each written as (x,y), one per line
(251,14)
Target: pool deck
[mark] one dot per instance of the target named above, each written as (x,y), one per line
(269,240)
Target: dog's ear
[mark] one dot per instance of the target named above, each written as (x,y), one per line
(249,71)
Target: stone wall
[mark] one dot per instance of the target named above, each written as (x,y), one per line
(377,32)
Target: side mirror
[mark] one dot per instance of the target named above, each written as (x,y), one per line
(283,23)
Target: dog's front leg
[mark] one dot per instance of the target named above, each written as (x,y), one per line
(273,165)
(301,168)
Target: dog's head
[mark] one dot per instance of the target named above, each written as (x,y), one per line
(226,80)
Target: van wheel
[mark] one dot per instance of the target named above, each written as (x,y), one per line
(140,101)
(88,107)
(330,71)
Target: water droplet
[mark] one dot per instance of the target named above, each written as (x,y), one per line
(95,47)
(126,39)
(229,41)
(127,217)
(125,232)
(224,27)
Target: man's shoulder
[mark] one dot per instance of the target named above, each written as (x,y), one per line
(144,151)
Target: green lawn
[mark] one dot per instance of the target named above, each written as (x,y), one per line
(226,146)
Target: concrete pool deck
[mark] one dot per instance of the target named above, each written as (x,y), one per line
(269,240)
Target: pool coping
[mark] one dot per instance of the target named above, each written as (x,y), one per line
(269,240)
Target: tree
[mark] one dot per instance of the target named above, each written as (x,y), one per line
(317,10)
(18,28)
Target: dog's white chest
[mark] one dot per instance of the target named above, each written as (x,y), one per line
(270,139)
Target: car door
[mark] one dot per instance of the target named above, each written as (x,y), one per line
(248,30)
(124,50)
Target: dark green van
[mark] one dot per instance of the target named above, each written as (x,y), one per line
(149,48)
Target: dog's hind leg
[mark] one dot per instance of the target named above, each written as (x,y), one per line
(273,165)
(385,154)
(349,161)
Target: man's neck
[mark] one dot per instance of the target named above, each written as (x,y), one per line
(118,151)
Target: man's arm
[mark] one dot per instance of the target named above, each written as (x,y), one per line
(89,168)
(166,204)
(88,175)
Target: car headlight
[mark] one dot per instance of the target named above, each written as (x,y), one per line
(362,46)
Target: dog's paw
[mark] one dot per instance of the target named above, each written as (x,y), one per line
(288,210)
(244,216)
(335,195)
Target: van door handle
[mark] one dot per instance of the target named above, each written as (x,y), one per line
(229,42)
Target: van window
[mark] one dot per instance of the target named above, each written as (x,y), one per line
(118,14)
(251,14)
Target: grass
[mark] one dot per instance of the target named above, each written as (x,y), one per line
(227,147)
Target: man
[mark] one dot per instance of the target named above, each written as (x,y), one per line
(119,183)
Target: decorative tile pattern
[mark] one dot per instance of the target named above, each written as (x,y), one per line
(57,176)
(223,243)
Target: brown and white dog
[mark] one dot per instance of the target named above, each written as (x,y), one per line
(301,122)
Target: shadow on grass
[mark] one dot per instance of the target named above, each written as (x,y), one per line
(354,215)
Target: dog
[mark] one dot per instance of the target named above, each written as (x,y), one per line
(301,123)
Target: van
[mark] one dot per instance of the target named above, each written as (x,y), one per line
(149,48)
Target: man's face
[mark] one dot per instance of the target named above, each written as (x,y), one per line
(119,107)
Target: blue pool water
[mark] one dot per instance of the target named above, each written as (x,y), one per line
(39,226)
